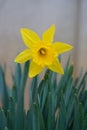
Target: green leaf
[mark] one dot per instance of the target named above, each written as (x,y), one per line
(36,123)
(19,124)
(14,93)
(11,113)
(34,119)
(3,121)
(42,93)
(71,70)
(78,116)
(5,95)
(61,120)
(68,90)
(29,119)
(51,111)
(17,78)
(51,107)
(69,108)
(33,89)
(54,80)
(5,128)
(85,123)
(18,75)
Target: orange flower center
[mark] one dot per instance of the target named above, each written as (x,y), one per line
(42,51)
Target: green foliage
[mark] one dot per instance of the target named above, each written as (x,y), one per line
(55,103)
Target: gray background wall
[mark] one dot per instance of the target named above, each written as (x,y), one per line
(69,16)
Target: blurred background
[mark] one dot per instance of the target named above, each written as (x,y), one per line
(69,16)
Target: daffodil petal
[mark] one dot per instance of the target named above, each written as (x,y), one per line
(48,35)
(61,47)
(29,37)
(34,69)
(56,67)
(23,56)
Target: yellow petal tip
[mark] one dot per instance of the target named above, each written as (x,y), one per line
(62,72)
(21,30)
(71,47)
(53,26)
(16,60)
(30,75)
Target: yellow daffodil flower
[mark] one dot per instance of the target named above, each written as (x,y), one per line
(42,53)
